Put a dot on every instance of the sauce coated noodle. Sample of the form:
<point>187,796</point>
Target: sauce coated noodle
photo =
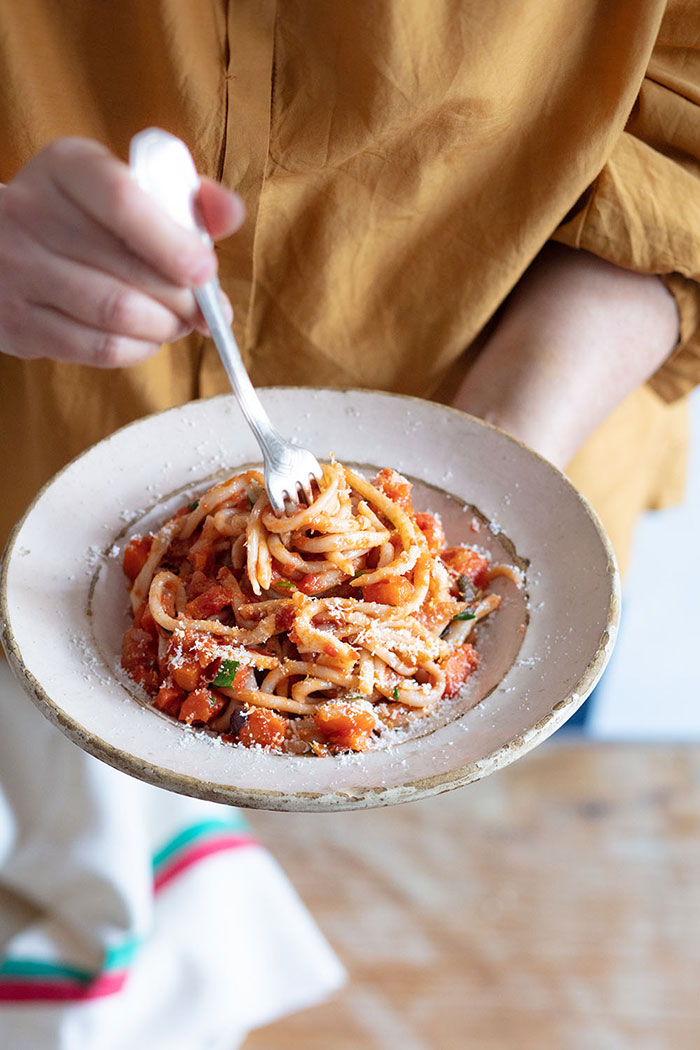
<point>309,634</point>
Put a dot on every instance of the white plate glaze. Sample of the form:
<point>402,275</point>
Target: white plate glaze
<point>63,597</point>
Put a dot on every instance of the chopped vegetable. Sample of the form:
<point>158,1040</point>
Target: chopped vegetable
<point>169,699</point>
<point>186,673</point>
<point>265,728</point>
<point>313,583</point>
<point>396,487</point>
<point>458,667</point>
<point>140,658</point>
<point>226,673</point>
<point>200,705</point>
<point>432,529</point>
<point>208,603</point>
<point>394,590</point>
<point>463,561</point>
<point>467,590</point>
<point>135,555</point>
<point>345,726</point>
<point>237,719</point>
<point>203,559</point>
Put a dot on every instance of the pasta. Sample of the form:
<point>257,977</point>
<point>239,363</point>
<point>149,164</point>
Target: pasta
<point>309,634</point>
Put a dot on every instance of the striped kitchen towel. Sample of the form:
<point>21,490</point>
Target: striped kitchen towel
<point>133,917</point>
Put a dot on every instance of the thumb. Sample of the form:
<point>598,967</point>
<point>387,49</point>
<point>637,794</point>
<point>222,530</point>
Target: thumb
<point>222,210</point>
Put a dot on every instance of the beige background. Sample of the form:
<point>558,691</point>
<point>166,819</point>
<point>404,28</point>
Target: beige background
<point>552,906</point>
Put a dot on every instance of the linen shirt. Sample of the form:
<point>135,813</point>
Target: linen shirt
<point>402,163</point>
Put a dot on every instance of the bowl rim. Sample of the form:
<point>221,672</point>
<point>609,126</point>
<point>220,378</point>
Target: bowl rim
<point>266,798</point>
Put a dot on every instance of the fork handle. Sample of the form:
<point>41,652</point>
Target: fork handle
<point>163,167</point>
<point>209,298</point>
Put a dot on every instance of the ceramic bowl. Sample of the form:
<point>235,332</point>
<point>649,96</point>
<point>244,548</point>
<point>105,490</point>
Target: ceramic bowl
<point>64,601</point>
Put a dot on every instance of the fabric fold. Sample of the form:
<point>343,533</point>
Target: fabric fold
<point>130,916</point>
<point>643,211</point>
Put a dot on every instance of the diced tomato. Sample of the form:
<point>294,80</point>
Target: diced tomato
<point>178,551</point>
<point>312,583</point>
<point>200,705</point>
<point>458,667</point>
<point>227,580</point>
<point>240,680</point>
<point>432,529</point>
<point>265,728</point>
<point>140,658</point>
<point>394,590</point>
<point>396,487</point>
<point>144,620</point>
<point>204,650</point>
<point>285,618</point>
<point>211,670</point>
<point>208,603</point>
<point>345,726</point>
<point>197,584</point>
<point>135,555</point>
<point>186,674</point>
<point>220,702</point>
<point>169,698</point>
<point>465,562</point>
<point>202,559</point>
<point>186,660</point>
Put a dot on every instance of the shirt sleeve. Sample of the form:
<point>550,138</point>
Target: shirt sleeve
<point>643,211</point>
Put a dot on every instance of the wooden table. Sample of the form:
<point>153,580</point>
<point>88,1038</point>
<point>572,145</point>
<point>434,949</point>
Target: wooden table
<point>553,906</point>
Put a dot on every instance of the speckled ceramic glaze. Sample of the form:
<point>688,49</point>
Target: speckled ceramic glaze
<point>64,601</point>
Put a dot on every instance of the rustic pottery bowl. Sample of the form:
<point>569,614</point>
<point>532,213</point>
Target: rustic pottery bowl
<point>64,603</point>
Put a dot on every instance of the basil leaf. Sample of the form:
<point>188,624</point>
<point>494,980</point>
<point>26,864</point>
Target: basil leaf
<point>193,506</point>
<point>465,616</point>
<point>284,583</point>
<point>226,673</point>
<point>395,693</point>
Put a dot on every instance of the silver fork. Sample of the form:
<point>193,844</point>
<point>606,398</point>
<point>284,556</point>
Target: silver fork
<point>163,167</point>
<point>287,467</point>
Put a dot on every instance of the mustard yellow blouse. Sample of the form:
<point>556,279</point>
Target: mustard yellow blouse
<point>402,163</point>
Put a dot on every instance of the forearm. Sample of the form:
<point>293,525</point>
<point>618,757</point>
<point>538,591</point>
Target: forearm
<point>576,337</point>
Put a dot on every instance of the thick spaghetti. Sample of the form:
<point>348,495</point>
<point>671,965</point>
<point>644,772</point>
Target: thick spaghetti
<point>313,633</point>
